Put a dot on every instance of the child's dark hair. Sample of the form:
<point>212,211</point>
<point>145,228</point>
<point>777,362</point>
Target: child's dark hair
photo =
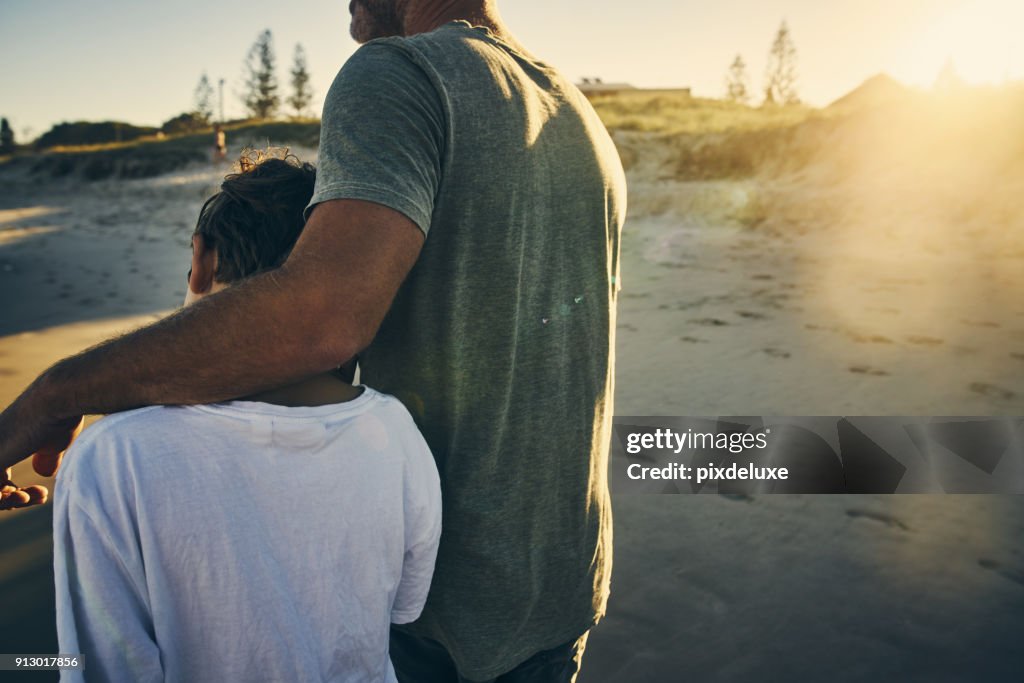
<point>255,219</point>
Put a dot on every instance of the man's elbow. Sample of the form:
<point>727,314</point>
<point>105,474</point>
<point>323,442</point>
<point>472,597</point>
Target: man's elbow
<point>336,332</point>
<point>335,340</point>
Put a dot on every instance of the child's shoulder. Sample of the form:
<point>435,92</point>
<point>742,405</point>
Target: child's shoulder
<point>115,436</point>
<point>133,424</point>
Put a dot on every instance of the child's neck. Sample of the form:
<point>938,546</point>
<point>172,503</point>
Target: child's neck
<point>319,390</point>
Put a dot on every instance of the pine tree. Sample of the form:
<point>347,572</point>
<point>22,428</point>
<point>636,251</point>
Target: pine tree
<point>302,92</point>
<point>736,81</point>
<point>6,136</point>
<point>204,99</point>
<point>780,74</point>
<point>260,97</point>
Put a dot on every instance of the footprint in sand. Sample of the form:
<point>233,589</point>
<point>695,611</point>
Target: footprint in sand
<point>693,340</point>
<point>752,315</point>
<point>1018,356</point>
<point>868,370</point>
<point>737,497</point>
<point>991,390</point>
<point>1014,575</point>
<point>921,340</point>
<point>777,353</point>
<point>626,326</point>
<point>869,338</point>
<point>761,276</point>
<point>6,372</point>
<point>880,517</point>
<point>708,322</point>
<point>980,323</point>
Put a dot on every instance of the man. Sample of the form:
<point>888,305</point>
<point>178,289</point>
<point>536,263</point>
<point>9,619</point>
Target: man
<point>466,222</point>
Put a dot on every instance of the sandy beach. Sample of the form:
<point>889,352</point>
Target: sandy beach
<point>716,318</point>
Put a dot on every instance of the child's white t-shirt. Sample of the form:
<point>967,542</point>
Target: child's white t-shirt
<point>244,541</point>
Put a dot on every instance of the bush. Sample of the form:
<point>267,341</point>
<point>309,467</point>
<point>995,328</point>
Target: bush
<point>149,158</point>
<point>189,122</point>
<point>89,133</point>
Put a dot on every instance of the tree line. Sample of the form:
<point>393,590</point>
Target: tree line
<point>260,95</point>
<point>261,92</point>
<point>780,73</point>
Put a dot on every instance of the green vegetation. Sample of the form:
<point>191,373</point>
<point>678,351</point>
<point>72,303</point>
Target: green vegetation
<point>261,98</point>
<point>715,139</point>
<point>91,133</point>
<point>189,122</point>
<point>6,137</point>
<point>302,91</point>
<point>154,155</point>
<point>880,125</point>
<point>674,113</point>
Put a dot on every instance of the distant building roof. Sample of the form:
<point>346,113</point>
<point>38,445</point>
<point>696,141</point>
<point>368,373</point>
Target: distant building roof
<point>597,85</point>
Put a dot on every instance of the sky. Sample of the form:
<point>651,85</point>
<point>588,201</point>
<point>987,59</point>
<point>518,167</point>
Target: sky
<point>135,61</point>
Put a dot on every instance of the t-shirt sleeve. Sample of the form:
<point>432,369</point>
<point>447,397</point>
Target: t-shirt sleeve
<point>382,134</point>
<point>102,610</point>
<point>422,530</point>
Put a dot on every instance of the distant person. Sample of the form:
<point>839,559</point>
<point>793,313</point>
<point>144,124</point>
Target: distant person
<point>463,239</point>
<point>273,538</point>
<point>220,145</point>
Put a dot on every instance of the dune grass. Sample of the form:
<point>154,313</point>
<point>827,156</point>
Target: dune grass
<point>154,155</point>
<point>678,113</point>
<point>705,139</point>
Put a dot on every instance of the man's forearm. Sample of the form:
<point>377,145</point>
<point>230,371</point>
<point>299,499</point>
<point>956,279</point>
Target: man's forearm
<point>247,338</point>
<point>315,312</point>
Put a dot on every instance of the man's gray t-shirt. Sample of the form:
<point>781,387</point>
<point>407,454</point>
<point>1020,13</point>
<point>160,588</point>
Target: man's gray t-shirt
<point>500,342</point>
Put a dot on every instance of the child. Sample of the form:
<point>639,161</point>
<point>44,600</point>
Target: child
<point>273,538</point>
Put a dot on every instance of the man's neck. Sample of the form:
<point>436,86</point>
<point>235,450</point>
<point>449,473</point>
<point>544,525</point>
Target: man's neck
<point>319,390</point>
<point>426,16</point>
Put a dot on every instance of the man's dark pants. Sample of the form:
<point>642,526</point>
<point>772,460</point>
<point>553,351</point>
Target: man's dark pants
<point>422,660</point>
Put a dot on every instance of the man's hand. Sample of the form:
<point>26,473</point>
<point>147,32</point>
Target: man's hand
<point>12,496</point>
<point>26,432</point>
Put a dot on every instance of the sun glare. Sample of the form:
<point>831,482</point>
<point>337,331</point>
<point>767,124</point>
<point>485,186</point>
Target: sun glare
<point>978,37</point>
